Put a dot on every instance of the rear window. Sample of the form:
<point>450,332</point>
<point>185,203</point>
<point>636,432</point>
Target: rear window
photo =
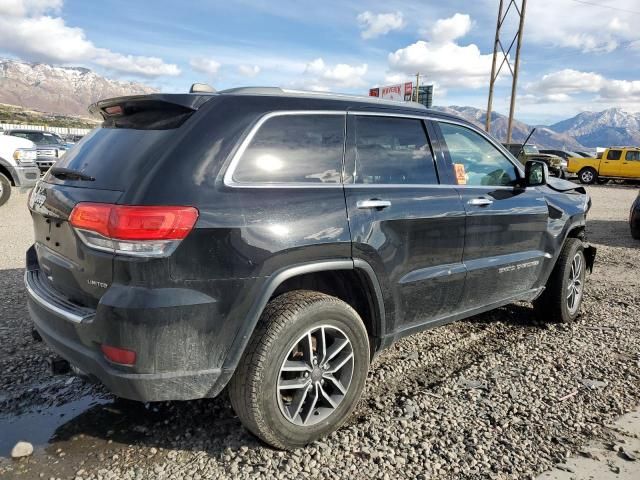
<point>115,156</point>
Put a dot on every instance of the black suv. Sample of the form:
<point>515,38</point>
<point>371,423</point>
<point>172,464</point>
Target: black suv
<point>275,241</point>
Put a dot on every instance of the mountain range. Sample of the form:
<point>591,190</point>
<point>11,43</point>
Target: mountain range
<point>69,90</point>
<point>61,90</point>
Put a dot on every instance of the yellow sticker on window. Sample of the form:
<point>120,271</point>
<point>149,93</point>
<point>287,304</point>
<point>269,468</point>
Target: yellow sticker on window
<point>461,176</point>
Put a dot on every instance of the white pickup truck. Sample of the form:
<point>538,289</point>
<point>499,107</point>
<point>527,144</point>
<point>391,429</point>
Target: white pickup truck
<point>17,165</point>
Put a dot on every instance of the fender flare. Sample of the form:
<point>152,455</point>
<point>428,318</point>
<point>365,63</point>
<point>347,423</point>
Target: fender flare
<point>243,336</point>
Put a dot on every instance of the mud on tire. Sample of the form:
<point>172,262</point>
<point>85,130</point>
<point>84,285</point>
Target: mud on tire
<point>311,341</point>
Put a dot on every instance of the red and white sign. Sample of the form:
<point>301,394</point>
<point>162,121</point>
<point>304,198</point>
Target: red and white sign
<point>399,92</point>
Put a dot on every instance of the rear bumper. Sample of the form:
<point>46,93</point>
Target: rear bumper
<point>76,335</point>
<point>144,387</point>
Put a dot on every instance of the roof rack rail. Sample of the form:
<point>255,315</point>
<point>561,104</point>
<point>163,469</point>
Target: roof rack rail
<point>328,95</point>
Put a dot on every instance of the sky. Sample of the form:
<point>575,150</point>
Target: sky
<point>577,55</point>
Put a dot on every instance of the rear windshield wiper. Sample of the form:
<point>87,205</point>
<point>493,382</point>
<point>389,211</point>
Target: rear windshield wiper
<point>62,173</point>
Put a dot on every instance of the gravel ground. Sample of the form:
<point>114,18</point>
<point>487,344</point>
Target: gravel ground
<point>497,396</point>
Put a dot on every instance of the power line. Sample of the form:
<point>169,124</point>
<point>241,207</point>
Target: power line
<point>610,7</point>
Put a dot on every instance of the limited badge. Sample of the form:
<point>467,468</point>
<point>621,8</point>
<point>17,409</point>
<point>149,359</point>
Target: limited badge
<point>461,176</point>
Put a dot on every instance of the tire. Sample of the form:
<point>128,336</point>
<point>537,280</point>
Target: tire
<point>555,303</point>
<point>282,334</point>
<point>5,189</point>
<point>588,175</point>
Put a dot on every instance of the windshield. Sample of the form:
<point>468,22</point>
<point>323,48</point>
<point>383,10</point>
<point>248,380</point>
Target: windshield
<point>40,138</point>
<point>530,149</point>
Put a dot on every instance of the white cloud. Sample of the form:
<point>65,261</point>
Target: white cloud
<point>448,63</point>
<point>441,59</point>
<point>374,25</point>
<point>395,78</point>
<point>248,70</point>
<point>588,28</point>
<point>22,8</point>
<point>449,29</point>
<point>205,65</point>
<point>28,30</point>
<point>565,83</point>
<point>342,75</point>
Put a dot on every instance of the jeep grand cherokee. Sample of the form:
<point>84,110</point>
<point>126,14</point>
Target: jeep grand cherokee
<point>275,241</point>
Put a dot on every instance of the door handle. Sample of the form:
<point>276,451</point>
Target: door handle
<point>373,203</point>
<point>480,202</point>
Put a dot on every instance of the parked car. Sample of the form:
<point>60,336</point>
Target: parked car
<point>527,152</point>
<point>275,241</point>
<point>634,218</point>
<point>50,146</point>
<point>615,163</point>
<point>17,165</point>
<point>584,154</point>
<point>564,155</point>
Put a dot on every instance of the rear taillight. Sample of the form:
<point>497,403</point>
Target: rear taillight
<point>118,355</point>
<point>146,231</point>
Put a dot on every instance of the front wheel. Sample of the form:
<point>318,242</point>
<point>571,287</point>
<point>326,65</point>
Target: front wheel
<point>5,189</point>
<point>562,297</point>
<point>303,370</point>
<point>588,175</point>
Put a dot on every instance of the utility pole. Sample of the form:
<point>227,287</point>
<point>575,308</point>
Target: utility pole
<point>418,87</point>
<point>519,8</point>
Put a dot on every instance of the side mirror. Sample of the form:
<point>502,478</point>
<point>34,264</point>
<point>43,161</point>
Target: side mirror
<point>535,173</point>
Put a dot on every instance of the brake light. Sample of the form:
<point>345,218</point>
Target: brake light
<point>132,229</point>
<point>118,355</point>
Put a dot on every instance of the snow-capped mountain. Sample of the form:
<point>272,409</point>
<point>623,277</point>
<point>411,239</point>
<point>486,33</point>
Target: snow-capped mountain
<point>64,90</point>
<point>543,136</point>
<point>596,129</point>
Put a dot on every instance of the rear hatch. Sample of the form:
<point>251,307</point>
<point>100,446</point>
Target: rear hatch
<point>106,163</point>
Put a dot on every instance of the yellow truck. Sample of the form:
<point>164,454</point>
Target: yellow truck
<point>615,163</point>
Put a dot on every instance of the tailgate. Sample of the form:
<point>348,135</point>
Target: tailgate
<point>77,272</point>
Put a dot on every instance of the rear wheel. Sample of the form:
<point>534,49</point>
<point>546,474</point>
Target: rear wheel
<point>562,297</point>
<point>303,370</point>
<point>5,189</point>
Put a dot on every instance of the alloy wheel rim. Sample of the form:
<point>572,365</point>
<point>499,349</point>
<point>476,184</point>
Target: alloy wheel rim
<point>587,176</point>
<point>576,281</point>
<point>315,375</point>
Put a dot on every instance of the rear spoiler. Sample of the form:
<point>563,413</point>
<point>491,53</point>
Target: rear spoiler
<point>158,111</point>
<point>187,101</point>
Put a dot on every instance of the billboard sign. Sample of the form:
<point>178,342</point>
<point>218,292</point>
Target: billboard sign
<point>399,92</point>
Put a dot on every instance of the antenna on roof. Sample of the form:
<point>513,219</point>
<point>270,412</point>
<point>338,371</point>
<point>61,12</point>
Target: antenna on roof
<point>201,88</point>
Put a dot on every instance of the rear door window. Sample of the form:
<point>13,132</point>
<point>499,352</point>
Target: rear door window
<point>393,150</point>
<point>633,155</point>
<point>296,148</point>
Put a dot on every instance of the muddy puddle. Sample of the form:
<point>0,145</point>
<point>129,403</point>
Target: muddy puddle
<point>41,427</point>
